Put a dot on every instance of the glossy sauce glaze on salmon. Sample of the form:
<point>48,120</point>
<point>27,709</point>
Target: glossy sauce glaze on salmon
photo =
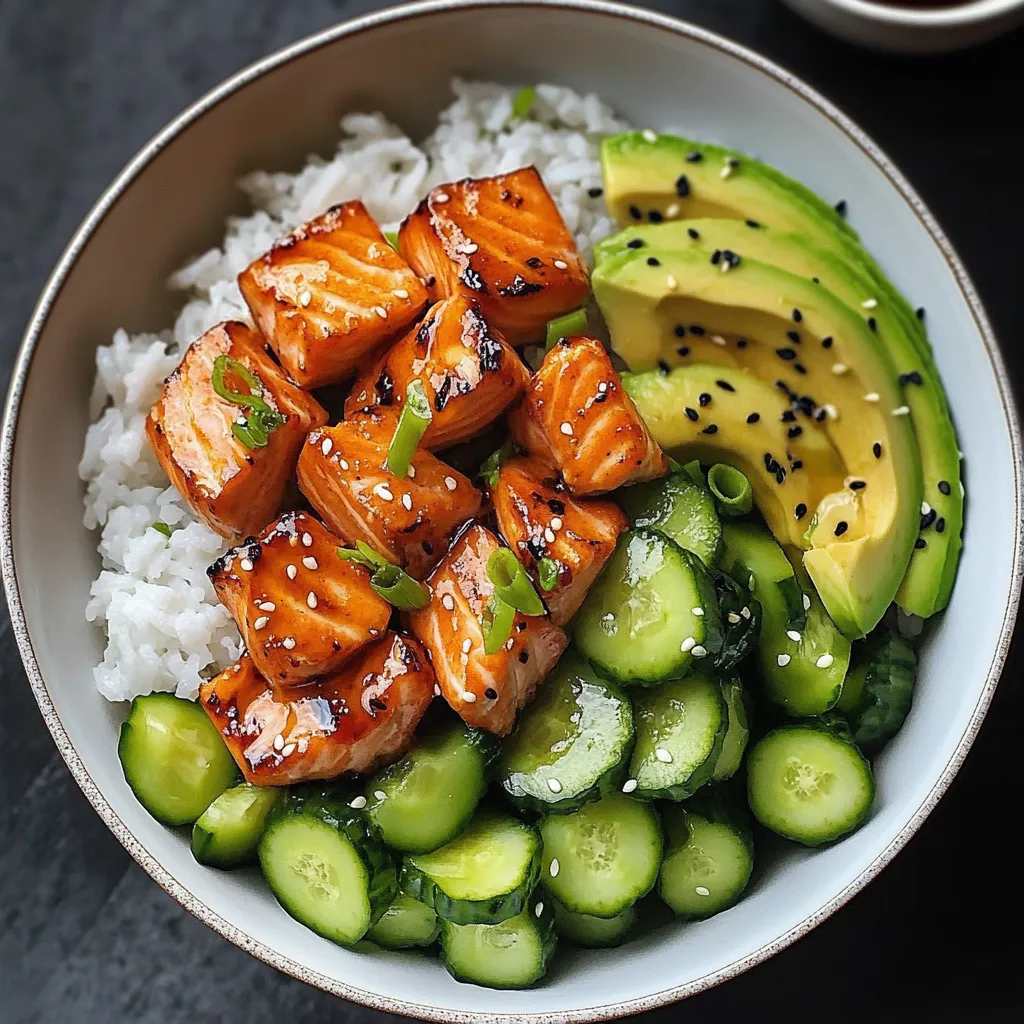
<point>539,519</point>
<point>469,373</point>
<point>301,610</point>
<point>501,242</point>
<point>330,293</point>
<point>234,486</point>
<point>409,520</point>
<point>352,720</point>
<point>487,690</point>
<point>577,416</point>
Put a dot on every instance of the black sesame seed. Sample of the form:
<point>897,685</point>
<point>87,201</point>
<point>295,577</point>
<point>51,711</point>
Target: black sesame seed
<point>841,527</point>
<point>733,162</point>
<point>683,350</point>
<point>742,343</point>
<point>800,511</point>
<point>490,693</point>
<point>704,398</point>
<point>819,415</point>
<point>872,323</point>
<point>716,257</point>
<point>769,462</point>
<point>725,385</point>
<point>913,377</point>
<point>692,414</point>
<point>858,485</point>
<point>595,193</point>
<point>788,416</point>
<point>795,465</point>
<point>682,186</point>
<point>634,212</point>
<point>731,258</point>
<point>753,417</point>
<point>785,353</point>
<point>794,336</point>
<point>826,342</point>
<point>428,548</point>
<point>799,367</point>
<point>653,261</point>
<point>535,262</point>
<point>920,312</point>
<point>698,330</point>
<point>521,627</point>
<point>780,475</point>
<point>693,233</point>
<point>663,367</point>
<point>711,428</point>
<point>944,487</point>
<point>694,157</point>
<point>841,207</point>
<point>940,525</point>
<point>753,224</point>
<point>794,431</point>
<point>797,316</point>
<point>524,657</point>
<point>377,704</point>
<point>655,217</point>
<point>816,280</point>
<point>679,330</point>
<point>876,450</point>
<point>920,543</point>
<point>635,243</point>
<point>928,518</point>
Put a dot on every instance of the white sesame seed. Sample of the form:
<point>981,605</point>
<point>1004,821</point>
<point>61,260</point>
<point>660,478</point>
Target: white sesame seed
<point>603,386</point>
<point>407,501</point>
<point>292,572</point>
<point>688,644</point>
<point>310,562</point>
<point>671,283</point>
<point>261,622</point>
<point>745,612</point>
<point>806,603</point>
<point>311,599</point>
<point>783,660</point>
<point>825,661</point>
<point>869,303</point>
<point>246,564</point>
<point>793,635</point>
<point>549,535</point>
<point>662,755</point>
<point>566,428</point>
<point>702,890</point>
<point>717,339</point>
<point>344,463</point>
<point>382,491</point>
<point>381,312</point>
<point>649,136</point>
<point>553,867</point>
<point>560,264</point>
<point>380,794</point>
<point>871,396</point>
<point>469,696</point>
<point>451,483</point>
<point>903,410</point>
<point>699,651</point>
<point>726,171</point>
<point>327,446</point>
<point>831,411</point>
<point>307,540</point>
<point>538,910</point>
<point>608,617</point>
<point>441,197</point>
<point>437,690</point>
<point>698,611</point>
<point>629,786</point>
<point>469,248</point>
<point>839,369</point>
<point>449,602</point>
<point>554,785</point>
<point>305,298</point>
<point>288,643</point>
<point>400,293</point>
<point>925,508</point>
<point>556,523</point>
<point>733,618</point>
<point>357,803</point>
<point>467,645</point>
<point>287,750</point>
<point>269,606</point>
<point>278,741</point>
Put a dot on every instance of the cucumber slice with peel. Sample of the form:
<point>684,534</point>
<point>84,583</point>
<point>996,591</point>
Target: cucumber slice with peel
<point>405,924</point>
<point>228,831</point>
<point>593,932</point>
<point>737,732</point>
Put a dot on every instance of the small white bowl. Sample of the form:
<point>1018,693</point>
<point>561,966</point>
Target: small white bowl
<point>170,202</point>
<point>912,29</point>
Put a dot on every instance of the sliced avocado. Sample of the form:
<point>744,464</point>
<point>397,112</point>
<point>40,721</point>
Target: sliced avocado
<point>788,331</point>
<point>929,579</point>
<point>803,662</point>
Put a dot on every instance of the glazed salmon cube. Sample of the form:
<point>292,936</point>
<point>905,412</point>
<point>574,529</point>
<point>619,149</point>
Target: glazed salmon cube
<point>469,373</point>
<point>502,242</point>
<point>231,482</point>
<point>576,415</point>
<point>487,690</point>
<point>408,520</point>
<point>348,722</point>
<point>302,611</point>
<point>330,293</point>
<point>539,519</point>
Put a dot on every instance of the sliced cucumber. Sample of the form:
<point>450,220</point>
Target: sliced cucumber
<point>513,954</point>
<point>652,614</point>
<point>406,923</point>
<point>737,732</point>
<point>428,797</point>
<point>485,876</point>
<point>173,758</point>
<point>327,868</point>
<point>741,621</point>
<point>808,782</point>
<point>601,859</point>
<point>228,831</point>
<point>679,507</point>
<point>680,732</point>
<point>709,856</point>
<point>572,743</point>
<point>593,932</point>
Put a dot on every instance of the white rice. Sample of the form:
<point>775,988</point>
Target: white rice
<point>165,629</point>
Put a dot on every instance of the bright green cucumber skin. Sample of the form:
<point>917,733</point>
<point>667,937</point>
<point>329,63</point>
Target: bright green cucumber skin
<point>406,924</point>
<point>228,832</point>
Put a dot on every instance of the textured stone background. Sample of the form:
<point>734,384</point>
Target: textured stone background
<point>85,936</point>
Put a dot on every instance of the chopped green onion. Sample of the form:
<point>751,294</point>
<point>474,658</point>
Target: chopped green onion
<point>522,102</point>
<point>162,528</point>
<point>496,623</point>
<point>254,400</point>
<point>392,583</point>
<point>392,237</point>
<point>695,473</point>
<point>673,466</point>
<point>731,489</point>
<point>511,584</point>
<point>491,466</point>
<point>547,572</point>
<point>566,327</point>
<point>412,425</point>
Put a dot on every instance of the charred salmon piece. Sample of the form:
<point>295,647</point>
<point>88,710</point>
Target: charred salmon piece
<point>576,414</point>
<point>302,611</point>
<point>502,242</point>
<point>350,721</point>
<point>408,520</point>
<point>539,519</point>
<point>209,445</point>
<point>330,293</point>
<point>487,690</point>
<point>469,373</point>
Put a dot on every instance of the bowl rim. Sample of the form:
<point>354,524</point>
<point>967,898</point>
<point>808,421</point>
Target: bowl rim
<point>22,367</point>
<point>956,15</point>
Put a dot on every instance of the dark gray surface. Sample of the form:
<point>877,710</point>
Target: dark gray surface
<point>84,935</point>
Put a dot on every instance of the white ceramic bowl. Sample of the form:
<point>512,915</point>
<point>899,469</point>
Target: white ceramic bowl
<point>910,29</point>
<point>170,202</point>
